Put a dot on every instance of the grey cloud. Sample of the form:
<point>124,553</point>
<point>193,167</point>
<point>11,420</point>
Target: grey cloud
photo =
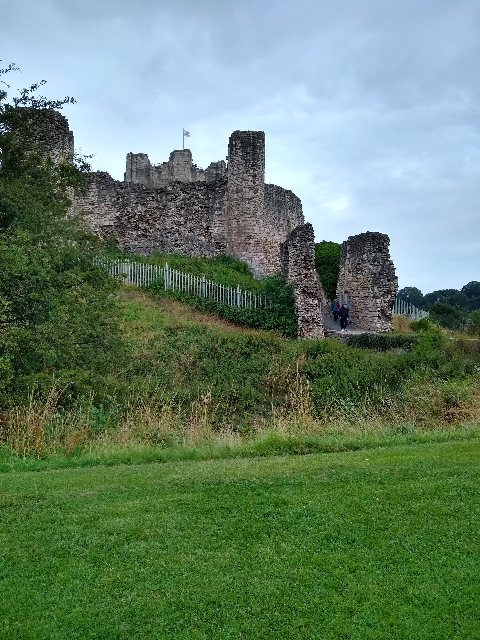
<point>370,109</point>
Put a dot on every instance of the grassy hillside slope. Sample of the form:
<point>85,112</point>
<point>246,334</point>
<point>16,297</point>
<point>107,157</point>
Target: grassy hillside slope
<point>188,379</point>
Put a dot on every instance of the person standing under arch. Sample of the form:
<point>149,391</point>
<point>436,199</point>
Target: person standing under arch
<point>343,313</point>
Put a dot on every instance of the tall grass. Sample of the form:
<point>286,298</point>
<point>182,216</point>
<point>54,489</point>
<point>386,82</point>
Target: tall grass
<point>186,383</point>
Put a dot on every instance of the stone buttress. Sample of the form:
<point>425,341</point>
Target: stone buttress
<point>298,264</point>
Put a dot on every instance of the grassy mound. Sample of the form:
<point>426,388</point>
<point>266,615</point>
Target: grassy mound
<point>188,378</point>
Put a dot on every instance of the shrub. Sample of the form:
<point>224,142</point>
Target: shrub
<point>382,341</point>
<point>58,322</point>
<point>422,324</point>
<point>327,264</point>
<point>279,315</point>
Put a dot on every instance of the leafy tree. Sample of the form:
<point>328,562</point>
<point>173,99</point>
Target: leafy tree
<point>472,289</point>
<point>327,264</point>
<point>58,323</point>
<point>473,303</point>
<point>447,315</point>
<point>474,321</point>
<point>452,297</point>
<point>412,295</point>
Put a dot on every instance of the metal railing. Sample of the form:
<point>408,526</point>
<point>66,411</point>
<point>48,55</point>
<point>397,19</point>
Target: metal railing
<point>403,308</point>
<point>142,274</point>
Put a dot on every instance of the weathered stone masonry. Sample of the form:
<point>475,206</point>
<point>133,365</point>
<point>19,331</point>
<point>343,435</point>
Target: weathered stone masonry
<point>179,167</point>
<point>47,132</point>
<point>182,218</point>
<point>367,279</point>
<point>217,211</point>
<point>298,261</point>
<point>179,207</point>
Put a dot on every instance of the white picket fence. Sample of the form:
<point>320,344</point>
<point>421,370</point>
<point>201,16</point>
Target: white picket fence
<point>407,309</point>
<point>142,274</point>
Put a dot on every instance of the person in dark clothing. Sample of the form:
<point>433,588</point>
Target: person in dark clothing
<point>335,308</point>
<point>343,313</point>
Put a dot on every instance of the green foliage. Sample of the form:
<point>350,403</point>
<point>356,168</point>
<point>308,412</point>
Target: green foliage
<point>327,264</point>
<point>422,324</point>
<point>432,340</point>
<point>474,321</point>
<point>381,341</point>
<point>467,299</point>
<point>224,269</point>
<point>412,295</point>
<point>58,324</point>
<point>451,297</point>
<point>472,289</point>
<point>447,315</point>
<point>278,315</point>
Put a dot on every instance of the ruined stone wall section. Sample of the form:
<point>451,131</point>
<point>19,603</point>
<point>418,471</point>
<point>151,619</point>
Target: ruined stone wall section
<point>298,263</point>
<point>282,214</point>
<point>48,132</point>
<point>247,233</point>
<point>258,217</point>
<point>179,168</point>
<point>368,280</point>
<point>181,218</point>
<point>138,169</point>
<point>216,171</point>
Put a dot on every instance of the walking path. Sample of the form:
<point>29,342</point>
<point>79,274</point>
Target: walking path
<point>330,326</point>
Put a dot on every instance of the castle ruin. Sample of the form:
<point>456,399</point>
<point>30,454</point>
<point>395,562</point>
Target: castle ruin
<point>367,278</point>
<point>227,208</point>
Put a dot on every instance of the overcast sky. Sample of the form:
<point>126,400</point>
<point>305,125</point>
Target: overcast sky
<point>370,109</point>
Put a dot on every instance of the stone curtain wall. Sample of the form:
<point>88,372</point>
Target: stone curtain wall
<point>298,263</point>
<point>185,218</point>
<point>178,207</point>
<point>367,279</point>
<point>282,214</point>
<point>257,217</point>
<point>180,167</point>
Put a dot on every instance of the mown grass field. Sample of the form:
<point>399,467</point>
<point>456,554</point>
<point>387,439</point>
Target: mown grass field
<point>381,543</point>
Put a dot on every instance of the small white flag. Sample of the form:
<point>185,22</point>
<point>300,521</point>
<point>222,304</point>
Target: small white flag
<point>186,133</point>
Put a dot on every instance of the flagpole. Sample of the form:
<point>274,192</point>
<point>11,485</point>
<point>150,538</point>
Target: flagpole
<point>183,138</point>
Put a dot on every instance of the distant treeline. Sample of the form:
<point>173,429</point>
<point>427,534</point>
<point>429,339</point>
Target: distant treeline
<point>452,308</point>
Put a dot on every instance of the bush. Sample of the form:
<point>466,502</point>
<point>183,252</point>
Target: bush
<point>327,264</point>
<point>474,322</point>
<point>382,341</point>
<point>58,322</point>
<point>348,380</point>
<point>422,324</point>
<point>279,315</point>
<point>447,315</point>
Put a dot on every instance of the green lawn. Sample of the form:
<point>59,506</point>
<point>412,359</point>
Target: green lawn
<point>380,544</point>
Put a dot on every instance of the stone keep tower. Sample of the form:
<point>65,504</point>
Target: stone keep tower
<point>367,279</point>
<point>246,198</point>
